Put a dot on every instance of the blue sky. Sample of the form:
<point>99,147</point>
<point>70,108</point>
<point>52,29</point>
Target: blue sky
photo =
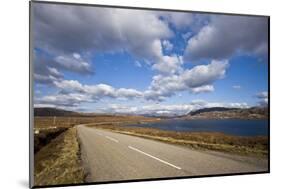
<point>147,62</point>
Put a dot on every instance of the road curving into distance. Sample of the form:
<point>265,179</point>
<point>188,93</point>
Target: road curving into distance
<point>110,156</point>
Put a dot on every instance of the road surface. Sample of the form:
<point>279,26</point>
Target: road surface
<point>110,156</point>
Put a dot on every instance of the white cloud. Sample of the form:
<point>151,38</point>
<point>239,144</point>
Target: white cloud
<point>76,55</point>
<point>69,85</point>
<point>73,63</point>
<point>96,91</point>
<point>65,100</point>
<point>205,74</point>
<point>171,109</point>
<point>44,105</point>
<point>225,36</point>
<point>115,30</point>
<point>54,72</point>
<point>118,108</point>
<point>238,105</point>
<point>169,64</point>
<point>128,93</point>
<point>198,79</point>
<point>44,79</point>
<point>204,88</point>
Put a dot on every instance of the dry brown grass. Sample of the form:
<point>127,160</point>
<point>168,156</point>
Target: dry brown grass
<point>59,161</point>
<point>255,146</point>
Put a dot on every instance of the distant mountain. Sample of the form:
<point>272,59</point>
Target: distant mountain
<point>217,109</point>
<point>61,113</point>
<point>54,112</point>
<point>228,113</point>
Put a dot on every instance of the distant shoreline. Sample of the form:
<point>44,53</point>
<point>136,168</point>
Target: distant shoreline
<point>183,125</point>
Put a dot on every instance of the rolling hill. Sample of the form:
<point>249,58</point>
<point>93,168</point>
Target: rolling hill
<point>228,113</point>
<point>54,112</point>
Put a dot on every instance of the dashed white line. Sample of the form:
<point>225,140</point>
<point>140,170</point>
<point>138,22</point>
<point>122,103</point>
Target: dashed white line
<point>165,162</point>
<point>113,139</point>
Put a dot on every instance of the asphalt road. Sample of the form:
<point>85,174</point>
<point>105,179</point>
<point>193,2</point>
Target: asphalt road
<point>110,156</point>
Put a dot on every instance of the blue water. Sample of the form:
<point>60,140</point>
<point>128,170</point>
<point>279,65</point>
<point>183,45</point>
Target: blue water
<point>227,126</point>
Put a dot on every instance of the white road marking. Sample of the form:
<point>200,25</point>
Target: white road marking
<point>99,134</point>
<point>113,139</point>
<point>167,163</point>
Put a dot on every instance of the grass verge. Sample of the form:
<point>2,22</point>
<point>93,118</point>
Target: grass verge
<point>59,161</point>
<point>253,146</point>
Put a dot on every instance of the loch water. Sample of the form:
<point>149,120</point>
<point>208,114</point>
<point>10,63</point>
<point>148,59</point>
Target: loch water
<point>237,127</point>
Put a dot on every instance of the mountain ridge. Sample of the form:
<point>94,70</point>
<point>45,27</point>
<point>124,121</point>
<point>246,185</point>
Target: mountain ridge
<point>228,113</point>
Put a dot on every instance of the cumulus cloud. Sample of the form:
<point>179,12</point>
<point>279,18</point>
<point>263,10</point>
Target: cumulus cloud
<point>155,109</point>
<point>202,89</point>
<point>128,93</point>
<point>225,36</point>
<point>44,79</point>
<point>63,100</point>
<point>118,108</point>
<point>72,93</point>
<point>169,64</point>
<point>96,91</point>
<point>94,29</point>
<point>205,74</point>
<point>74,63</point>
<point>71,85</point>
<point>54,72</point>
<point>164,109</point>
<point>198,79</point>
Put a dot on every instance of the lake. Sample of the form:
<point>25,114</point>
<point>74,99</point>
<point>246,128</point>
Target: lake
<point>236,127</point>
